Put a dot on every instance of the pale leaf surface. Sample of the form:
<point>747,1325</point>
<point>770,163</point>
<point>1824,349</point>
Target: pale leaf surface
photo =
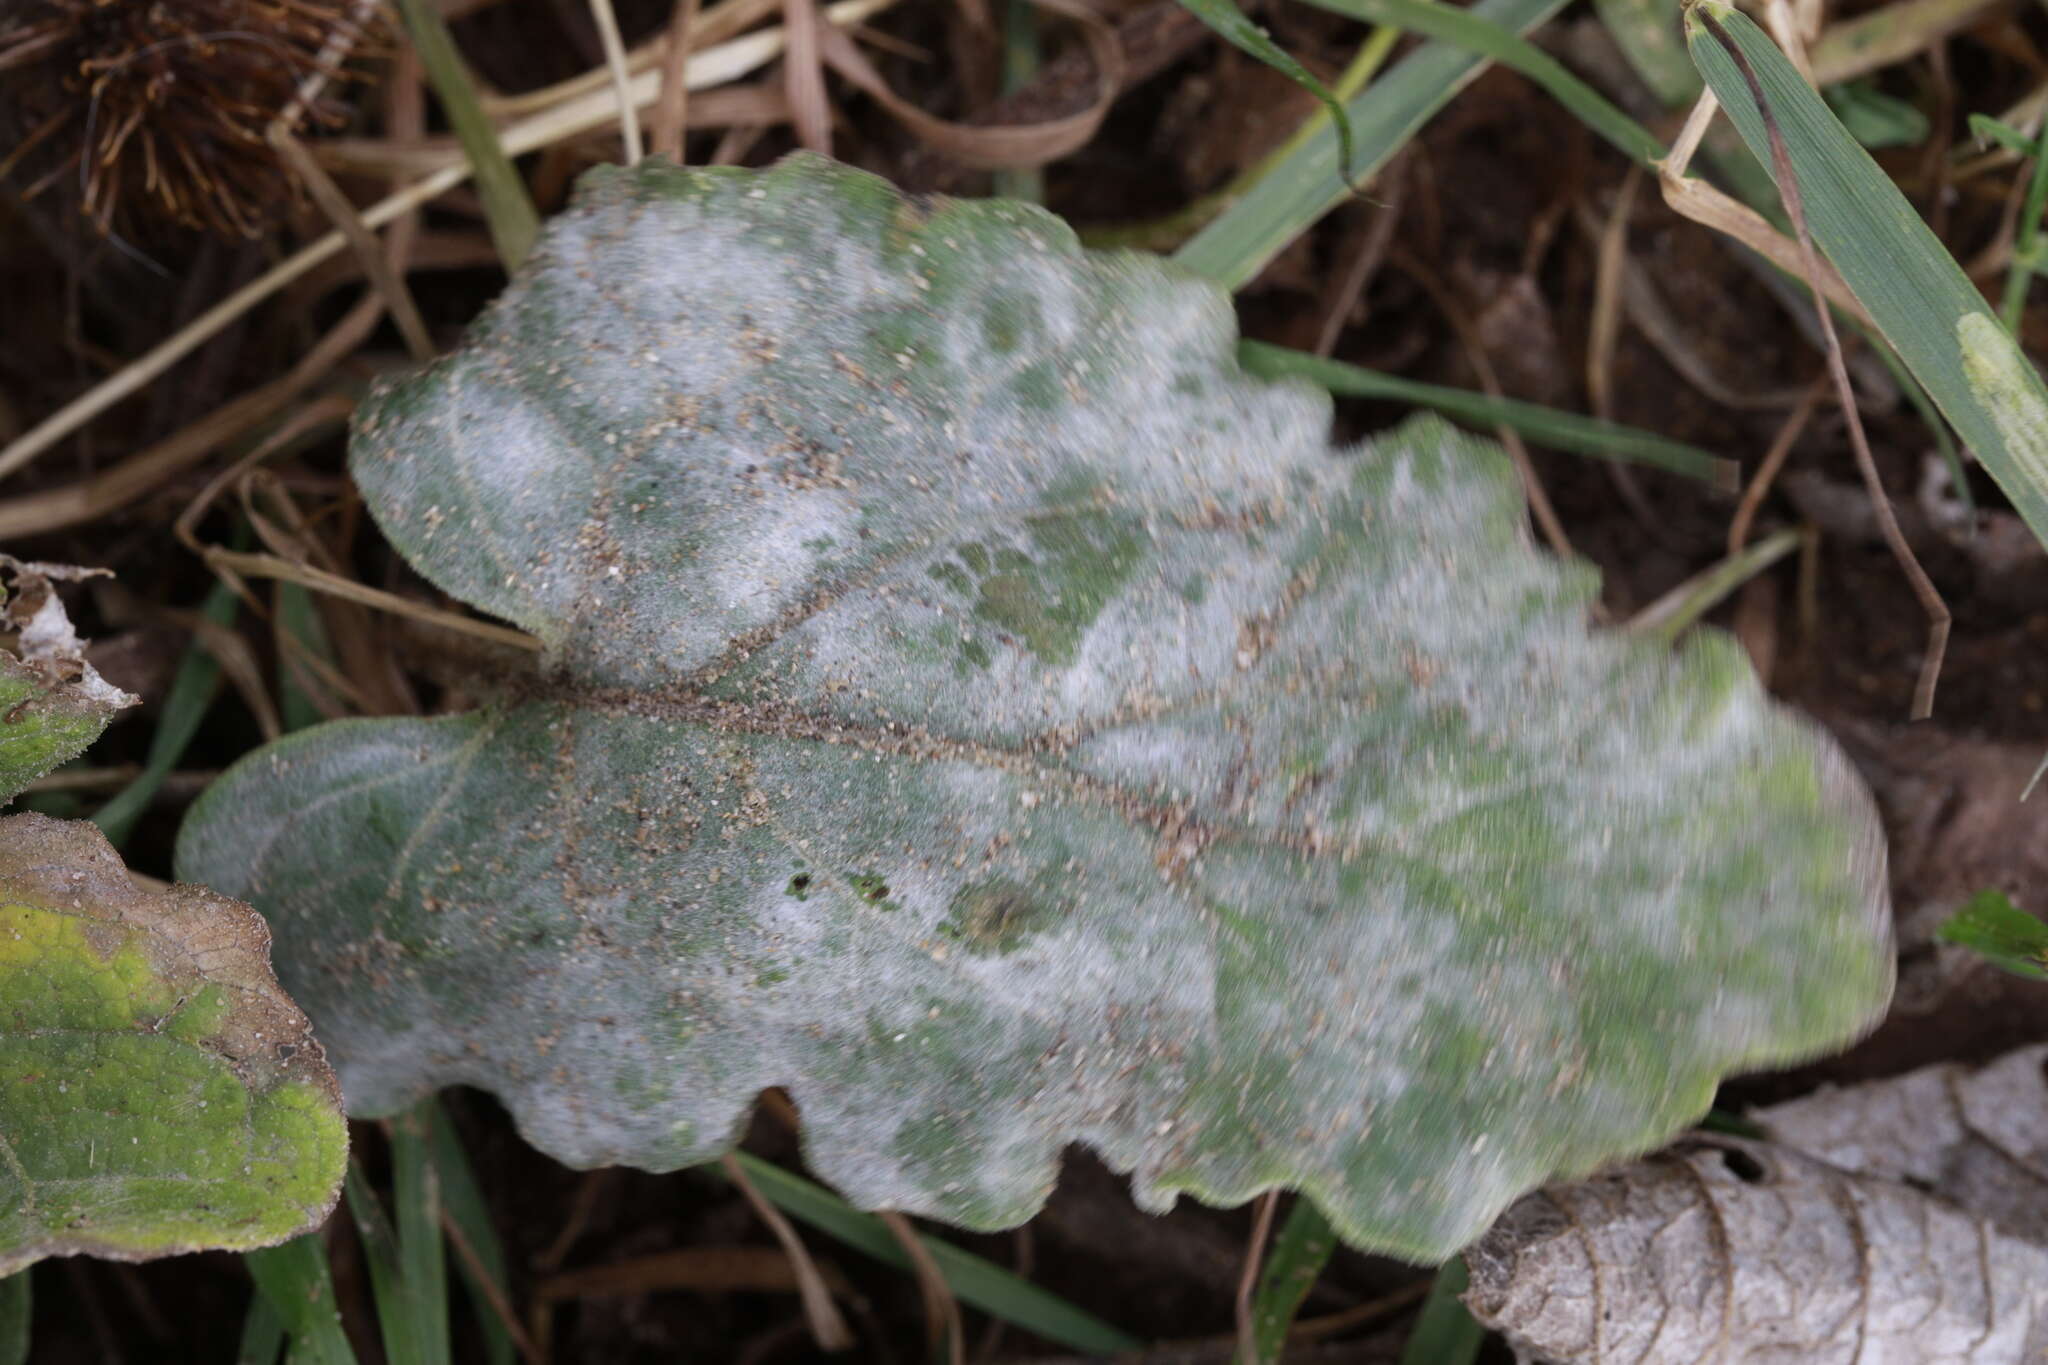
<point>973,704</point>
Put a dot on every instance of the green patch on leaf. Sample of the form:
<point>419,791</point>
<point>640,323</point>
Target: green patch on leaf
<point>1288,827</point>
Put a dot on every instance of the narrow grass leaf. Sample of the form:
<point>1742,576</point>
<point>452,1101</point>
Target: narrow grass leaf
<point>262,1333</point>
<point>1476,34</point>
<point>388,1289</point>
<point>294,1278</point>
<point>462,1202</point>
<point>1444,1333</point>
<point>17,1306</point>
<point>1021,59</point>
<point>1875,119</point>
<point>1312,179</point>
<point>973,1280</point>
<point>1547,426</point>
<point>508,209</point>
<point>1298,1256</point>
<point>1988,130</point>
<point>1908,283</point>
<point>1171,231</point>
<point>2001,933</point>
<point>299,618</point>
<point>1647,32</point>
<point>422,1256</point>
<point>2026,250</point>
<point>1668,617</point>
<point>185,706</point>
<point>1247,37</point>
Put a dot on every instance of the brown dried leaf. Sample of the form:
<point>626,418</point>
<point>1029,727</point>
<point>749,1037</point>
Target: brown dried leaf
<point>1720,1249</point>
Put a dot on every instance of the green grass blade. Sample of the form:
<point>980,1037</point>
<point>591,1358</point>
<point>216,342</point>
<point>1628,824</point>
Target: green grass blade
<point>1299,1254</point>
<point>1548,426</point>
<point>973,1280</point>
<point>1444,1332</point>
<point>463,1202</point>
<point>1875,119</point>
<point>1309,181</point>
<point>2001,933</point>
<point>508,209</point>
<point>298,617</point>
<point>2026,251</point>
<point>294,1278</point>
<point>1476,34</point>
<point>262,1333</point>
<point>387,1280</point>
<point>185,705</point>
<point>1987,129</point>
<point>1170,232</point>
<point>1020,64</point>
<point>1670,615</point>
<point>1230,23</point>
<point>1897,268</point>
<point>1647,32</point>
<point>422,1256</point>
<point>17,1306</point>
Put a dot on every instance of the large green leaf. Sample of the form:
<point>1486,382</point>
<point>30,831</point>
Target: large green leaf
<point>158,1092</point>
<point>972,703</point>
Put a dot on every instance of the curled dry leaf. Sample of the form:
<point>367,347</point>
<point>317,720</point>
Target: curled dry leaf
<point>1722,1249</point>
<point>52,703</point>
<point>158,1091</point>
<point>1977,1136</point>
<point>971,702</point>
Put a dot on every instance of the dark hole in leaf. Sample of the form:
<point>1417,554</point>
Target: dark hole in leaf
<point>799,886</point>
<point>1744,1167</point>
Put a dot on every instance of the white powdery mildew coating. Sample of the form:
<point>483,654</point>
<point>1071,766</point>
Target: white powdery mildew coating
<point>977,707</point>
<point>508,481</point>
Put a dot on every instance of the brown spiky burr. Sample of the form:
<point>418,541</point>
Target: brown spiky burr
<point>156,111</point>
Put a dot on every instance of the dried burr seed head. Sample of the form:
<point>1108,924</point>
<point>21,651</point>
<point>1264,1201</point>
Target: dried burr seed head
<point>153,112</point>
